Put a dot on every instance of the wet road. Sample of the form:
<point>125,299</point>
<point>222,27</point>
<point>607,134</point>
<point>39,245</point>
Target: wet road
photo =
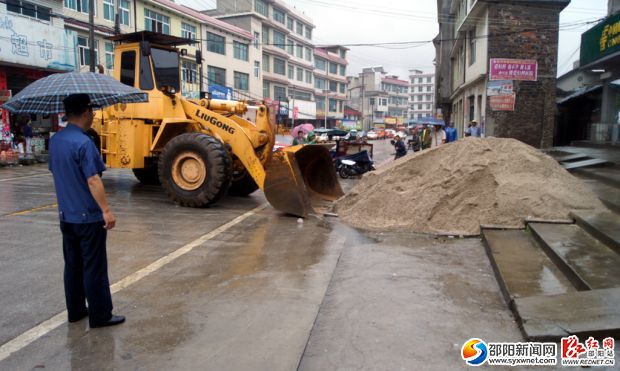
<point>239,287</point>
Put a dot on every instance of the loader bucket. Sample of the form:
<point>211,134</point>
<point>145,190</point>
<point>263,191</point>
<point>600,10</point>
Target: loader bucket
<point>299,176</point>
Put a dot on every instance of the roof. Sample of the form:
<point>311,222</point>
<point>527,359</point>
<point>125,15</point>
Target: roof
<point>324,54</point>
<point>203,18</point>
<point>390,80</point>
<point>154,37</point>
<point>578,93</point>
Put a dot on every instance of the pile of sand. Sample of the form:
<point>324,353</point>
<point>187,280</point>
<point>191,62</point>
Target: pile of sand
<point>456,188</point>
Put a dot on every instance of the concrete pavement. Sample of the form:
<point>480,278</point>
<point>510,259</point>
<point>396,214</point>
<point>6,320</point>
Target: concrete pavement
<point>241,287</point>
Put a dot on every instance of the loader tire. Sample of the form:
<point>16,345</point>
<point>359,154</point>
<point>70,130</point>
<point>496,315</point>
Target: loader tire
<point>242,185</point>
<point>195,169</point>
<point>147,176</point>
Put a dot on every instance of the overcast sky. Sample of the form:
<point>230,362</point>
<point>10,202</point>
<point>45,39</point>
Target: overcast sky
<point>369,21</point>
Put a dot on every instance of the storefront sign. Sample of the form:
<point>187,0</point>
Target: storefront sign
<point>514,69</point>
<point>35,43</point>
<point>601,40</point>
<point>503,102</point>
<point>220,92</point>
<point>500,87</point>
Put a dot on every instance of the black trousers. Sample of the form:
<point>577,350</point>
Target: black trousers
<point>86,271</point>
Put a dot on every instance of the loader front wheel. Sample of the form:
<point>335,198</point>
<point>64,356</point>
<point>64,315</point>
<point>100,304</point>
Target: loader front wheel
<point>195,169</point>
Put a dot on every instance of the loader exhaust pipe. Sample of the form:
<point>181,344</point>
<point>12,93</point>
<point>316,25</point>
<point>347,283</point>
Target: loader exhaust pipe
<point>300,176</point>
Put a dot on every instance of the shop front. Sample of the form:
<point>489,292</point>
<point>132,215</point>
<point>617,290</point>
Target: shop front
<point>600,52</point>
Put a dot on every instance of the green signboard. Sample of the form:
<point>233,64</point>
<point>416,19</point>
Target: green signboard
<point>601,40</point>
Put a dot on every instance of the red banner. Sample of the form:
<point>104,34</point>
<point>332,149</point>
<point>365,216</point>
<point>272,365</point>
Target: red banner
<point>503,102</point>
<point>514,69</point>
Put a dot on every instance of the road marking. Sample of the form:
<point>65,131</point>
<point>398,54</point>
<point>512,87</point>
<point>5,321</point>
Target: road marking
<point>24,177</point>
<point>24,212</point>
<point>42,329</point>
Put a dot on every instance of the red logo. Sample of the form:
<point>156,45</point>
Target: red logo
<point>572,348</point>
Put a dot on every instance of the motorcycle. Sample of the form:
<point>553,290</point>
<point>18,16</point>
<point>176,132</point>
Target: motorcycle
<point>352,165</point>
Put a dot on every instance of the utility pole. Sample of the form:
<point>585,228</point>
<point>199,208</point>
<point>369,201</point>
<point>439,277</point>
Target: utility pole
<point>91,34</point>
<point>363,112</point>
<point>293,114</point>
<point>117,17</point>
<point>326,91</point>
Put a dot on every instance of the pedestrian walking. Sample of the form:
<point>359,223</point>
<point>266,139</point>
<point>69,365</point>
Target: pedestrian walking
<point>27,132</point>
<point>399,145</point>
<point>451,133</point>
<point>425,137</point>
<point>438,137</point>
<point>473,130</point>
<point>85,216</point>
<point>414,142</point>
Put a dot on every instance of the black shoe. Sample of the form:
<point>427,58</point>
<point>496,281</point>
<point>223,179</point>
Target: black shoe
<point>80,317</point>
<point>114,320</point>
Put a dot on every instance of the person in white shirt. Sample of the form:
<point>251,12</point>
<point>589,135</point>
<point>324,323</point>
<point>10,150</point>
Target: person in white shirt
<point>438,136</point>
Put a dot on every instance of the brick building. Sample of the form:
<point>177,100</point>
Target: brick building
<point>472,32</point>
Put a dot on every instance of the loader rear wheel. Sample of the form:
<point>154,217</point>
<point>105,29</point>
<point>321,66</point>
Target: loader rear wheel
<point>242,185</point>
<point>195,169</point>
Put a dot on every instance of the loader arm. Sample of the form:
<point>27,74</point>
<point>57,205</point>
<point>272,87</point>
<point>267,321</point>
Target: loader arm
<point>291,178</point>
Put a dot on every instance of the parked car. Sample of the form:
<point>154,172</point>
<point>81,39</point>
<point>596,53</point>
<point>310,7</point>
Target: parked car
<point>389,133</point>
<point>372,135</point>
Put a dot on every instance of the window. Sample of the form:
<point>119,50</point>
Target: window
<point>320,64</point>
<point>320,105</point>
<point>290,47</point>
<point>333,86</point>
<point>319,83</point>
<point>128,68</point>
<point>420,80</point>
<point>472,47</point>
<point>242,81</point>
<point>216,43</point>
<point>419,88</point>
<point>279,40</point>
<point>472,109</point>
<point>84,51</point>
<point>343,70</point>
<point>124,10</point>
<point>309,54</point>
<point>108,10</point>
<point>299,51</point>
<point>189,72</point>
<point>29,9</point>
<point>333,68</point>
<point>289,23</point>
<point>266,63</point>
<point>342,88</point>
<point>109,56</point>
<point>308,33</point>
<point>301,95</point>
<point>166,68</point>
<point>279,92</point>
<point>332,105</point>
<point>146,74</point>
<point>428,88</point>
<point>384,102</point>
<point>156,22</point>
<point>300,74</point>
<point>256,38</point>
<point>343,53</point>
<point>278,15</point>
<point>291,72</point>
<point>261,8</point>
<point>216,75</point>
<point>429,79</point>
<point>300,28</point>
<point>266,89</point>
<point>256,69</point>
<point>279,66</point>
<point>188,31</point>
<point>78,5</point>
<point>265,35</point>
<point>240,51</point>
<point>308,77</point>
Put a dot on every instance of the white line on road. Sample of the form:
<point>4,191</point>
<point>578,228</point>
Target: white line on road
<point>24,177</point>
<point>45,327</point>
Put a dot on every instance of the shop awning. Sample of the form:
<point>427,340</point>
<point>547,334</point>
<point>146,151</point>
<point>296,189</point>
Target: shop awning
<point>579,93</point>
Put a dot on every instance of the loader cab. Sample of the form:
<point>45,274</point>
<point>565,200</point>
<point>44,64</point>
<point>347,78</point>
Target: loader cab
<point>150,62</point>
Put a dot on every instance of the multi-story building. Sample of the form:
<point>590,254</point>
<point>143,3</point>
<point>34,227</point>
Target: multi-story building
<point>421,95</point>
<point>33,44</point>
<point>382,99</point>
<point>474,32</point>
<point>226,48</point>
<point>330,84</point>
<point>283,37</point>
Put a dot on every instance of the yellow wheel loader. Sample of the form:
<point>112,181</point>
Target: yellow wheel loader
<point>201,150</point>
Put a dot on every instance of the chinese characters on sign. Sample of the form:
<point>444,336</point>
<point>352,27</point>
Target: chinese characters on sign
<point>503,102</point>
<point>610,36</point>
<point>514,69</point>
<point>589,353</point>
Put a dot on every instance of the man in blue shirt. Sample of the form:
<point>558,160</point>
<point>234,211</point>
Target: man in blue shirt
<point>451,133</point>
<point>473,130</point>
<point>85,216</point>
